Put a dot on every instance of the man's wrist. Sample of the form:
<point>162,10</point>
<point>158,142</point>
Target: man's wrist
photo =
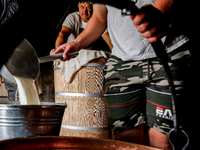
<point>78,44</point>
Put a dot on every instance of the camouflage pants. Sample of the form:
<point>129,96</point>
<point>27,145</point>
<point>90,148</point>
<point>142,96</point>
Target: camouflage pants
<point>137,92</point>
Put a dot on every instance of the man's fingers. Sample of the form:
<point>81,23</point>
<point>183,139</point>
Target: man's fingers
<point>143,27</point>
<point>152,35</point>
<point>52,51</point>
<point>149,33</point>
<point>154,38</point>
<point>59,50</point>
<point>65,54</point>
<point>132,17</point>
<point>66,48</point>
<point>139,19</point>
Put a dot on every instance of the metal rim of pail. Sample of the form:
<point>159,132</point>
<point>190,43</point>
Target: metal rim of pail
<point>42,105</point>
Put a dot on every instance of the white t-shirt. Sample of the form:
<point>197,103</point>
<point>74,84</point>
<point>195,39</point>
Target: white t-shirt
<point>128,44</point>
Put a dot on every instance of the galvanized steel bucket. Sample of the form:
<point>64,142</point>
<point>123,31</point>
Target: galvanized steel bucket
<point>30,120</point>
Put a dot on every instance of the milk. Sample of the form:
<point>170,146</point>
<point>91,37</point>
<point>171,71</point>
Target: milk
<point>27,91</point>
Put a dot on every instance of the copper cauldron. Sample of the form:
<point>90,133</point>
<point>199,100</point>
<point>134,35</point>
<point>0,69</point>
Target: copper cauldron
<point>66,143</point>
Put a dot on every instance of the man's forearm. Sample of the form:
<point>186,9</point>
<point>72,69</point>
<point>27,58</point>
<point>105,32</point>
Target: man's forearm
<point>96,26</point>
<point>60,40</point>
<point>165,6</point>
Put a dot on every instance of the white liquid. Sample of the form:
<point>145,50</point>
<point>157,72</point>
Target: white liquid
<point>27,91</point>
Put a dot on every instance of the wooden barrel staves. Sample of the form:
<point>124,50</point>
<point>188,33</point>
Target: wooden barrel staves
<point>3,92</point>
<point>86,112</point>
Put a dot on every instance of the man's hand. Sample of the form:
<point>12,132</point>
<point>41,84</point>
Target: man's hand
<point>52,51</point>
<point>151,23</point>
<point>66,48</point>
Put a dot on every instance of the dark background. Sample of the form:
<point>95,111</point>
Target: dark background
<point>39,21</point>
<point>45,26</point>
<point>46,22</point>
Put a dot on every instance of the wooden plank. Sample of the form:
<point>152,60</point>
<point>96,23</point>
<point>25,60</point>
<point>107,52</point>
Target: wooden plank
<point>3,93</point>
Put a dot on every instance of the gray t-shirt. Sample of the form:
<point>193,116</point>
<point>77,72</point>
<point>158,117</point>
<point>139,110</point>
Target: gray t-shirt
<point>74,22</point>
<point>128,44</point>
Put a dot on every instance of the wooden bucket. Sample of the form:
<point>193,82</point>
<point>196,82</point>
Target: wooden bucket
<point>86,112</point>
<point>3,92</point>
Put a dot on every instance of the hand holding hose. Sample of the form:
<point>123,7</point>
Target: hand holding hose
<point>151,23</point>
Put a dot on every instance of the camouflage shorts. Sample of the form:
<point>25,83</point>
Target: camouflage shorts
<point>137,92</point>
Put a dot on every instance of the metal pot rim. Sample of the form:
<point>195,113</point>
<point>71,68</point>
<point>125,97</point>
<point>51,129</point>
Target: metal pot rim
<point>60,142</point>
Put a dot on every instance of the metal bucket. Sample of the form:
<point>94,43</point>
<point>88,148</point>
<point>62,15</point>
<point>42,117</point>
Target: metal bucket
<point>30,120</point>
<point>69,143</point>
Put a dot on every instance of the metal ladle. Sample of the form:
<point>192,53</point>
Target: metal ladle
<point>25,63</point>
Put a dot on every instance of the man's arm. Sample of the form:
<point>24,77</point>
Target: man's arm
<point>165,6</point>
<point>62,37</point>
<point>94,29</point>
<point>96,26</point>
<point>107,39</point>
